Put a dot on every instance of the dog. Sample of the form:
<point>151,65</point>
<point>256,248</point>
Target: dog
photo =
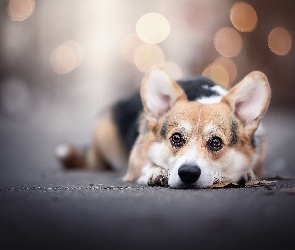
<point>184,134</point>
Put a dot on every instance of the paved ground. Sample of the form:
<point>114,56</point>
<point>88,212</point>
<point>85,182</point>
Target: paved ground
<point>42,206</point>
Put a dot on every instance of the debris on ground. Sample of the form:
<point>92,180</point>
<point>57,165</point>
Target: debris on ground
<point>254,183</point>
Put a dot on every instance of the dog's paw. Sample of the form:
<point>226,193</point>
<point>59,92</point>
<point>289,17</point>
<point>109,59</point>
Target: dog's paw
<point>158,177</point>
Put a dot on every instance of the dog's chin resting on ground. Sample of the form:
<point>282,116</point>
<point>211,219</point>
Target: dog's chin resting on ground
<point>184,134</point>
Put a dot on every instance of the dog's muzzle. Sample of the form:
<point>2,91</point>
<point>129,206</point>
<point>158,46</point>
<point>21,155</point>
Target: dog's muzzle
<point>189,174</point>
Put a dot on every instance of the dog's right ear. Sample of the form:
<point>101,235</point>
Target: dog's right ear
<point>159,93</point>
<point>249,100</point>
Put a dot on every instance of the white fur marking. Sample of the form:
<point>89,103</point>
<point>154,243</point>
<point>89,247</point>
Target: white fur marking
<point>158,154</point>
<point>150,172</point>
<point>220,90</point>
<point>210,129</point>
<point>213,99</point>
<point>191,157</point>
<point>144,176</point>
<point>186,126</point>
<point>230,168</point>
<point>210,100</point>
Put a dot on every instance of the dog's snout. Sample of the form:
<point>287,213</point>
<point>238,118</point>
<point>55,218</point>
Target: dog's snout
<point>189,173</point>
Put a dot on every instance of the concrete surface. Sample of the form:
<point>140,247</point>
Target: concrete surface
<point>45,207</point>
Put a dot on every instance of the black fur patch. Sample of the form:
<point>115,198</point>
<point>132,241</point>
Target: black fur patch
<point>163,130</point>
<point>234,136</point>
<point>197,88</point>
<point>125,115</point>
<point>127,112</point>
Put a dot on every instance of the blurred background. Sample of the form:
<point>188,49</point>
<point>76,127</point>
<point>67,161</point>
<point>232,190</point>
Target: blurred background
<point>63,62</point>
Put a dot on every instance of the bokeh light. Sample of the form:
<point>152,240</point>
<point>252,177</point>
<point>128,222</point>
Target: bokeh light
<point>243,16</point>
<point>20,10</point>
<point>128,47</point>
<point>77,49</point>
<point>217,74</point>
<point>147,55</point>
<point>62,60</point>
<point>228,42</point>
<point>173,70</point>
<point>66,57</point>
<point>230,67</point>
<point>152,28</point>
<point>280,41</point>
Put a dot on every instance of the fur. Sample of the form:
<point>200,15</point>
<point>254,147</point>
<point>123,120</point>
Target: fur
<point>185,134</point>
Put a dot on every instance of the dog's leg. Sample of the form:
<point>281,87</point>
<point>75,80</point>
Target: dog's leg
<point>154,176</point>
<point>140,169</point>
<point>105,152</point>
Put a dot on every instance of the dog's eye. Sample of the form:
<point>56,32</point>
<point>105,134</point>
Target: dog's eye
<point>215,143</point>
<point>177,140</point>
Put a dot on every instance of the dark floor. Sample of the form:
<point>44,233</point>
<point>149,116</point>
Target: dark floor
<point>42,206</point>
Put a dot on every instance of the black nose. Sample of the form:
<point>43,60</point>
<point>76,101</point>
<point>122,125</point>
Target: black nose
<point>189,173</point>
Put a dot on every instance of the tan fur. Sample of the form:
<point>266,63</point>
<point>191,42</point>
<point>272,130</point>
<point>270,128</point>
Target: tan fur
<point>260,147</point>
<point>199,116</point>
<point>138,157</point>
<point>257,76</point>
<point>189,112</point>
<point>107,150</point>
<point>153,156</point>
<point>175,96</point>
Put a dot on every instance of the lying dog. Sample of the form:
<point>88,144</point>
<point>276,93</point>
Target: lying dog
<point>189,134</point>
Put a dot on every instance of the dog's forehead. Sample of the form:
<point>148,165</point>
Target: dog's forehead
<point>215,117</point>
<point>192,114</point>
<point>184,115</point>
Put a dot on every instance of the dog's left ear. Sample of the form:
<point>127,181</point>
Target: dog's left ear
<point>249,100</point>
<point>159,93</point>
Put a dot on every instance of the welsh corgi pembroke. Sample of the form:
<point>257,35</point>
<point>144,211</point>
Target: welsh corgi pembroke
<point>184,134</point>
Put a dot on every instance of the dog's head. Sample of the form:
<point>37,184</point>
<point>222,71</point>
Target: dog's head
<point>202,144</point>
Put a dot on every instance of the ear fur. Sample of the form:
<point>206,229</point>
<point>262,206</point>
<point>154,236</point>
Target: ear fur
<point>159,93</point>
<point>249,100</point>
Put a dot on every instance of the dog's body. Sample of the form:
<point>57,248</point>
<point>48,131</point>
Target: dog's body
<point>189,134</point>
